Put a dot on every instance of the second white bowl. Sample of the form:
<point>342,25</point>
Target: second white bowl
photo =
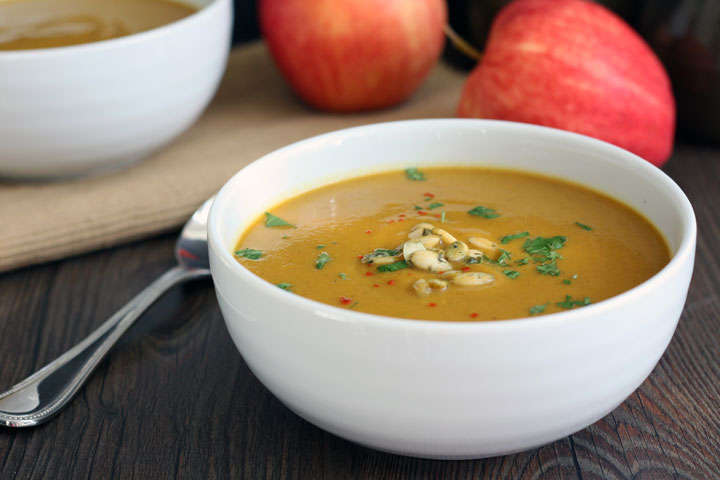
<point>73,110</point>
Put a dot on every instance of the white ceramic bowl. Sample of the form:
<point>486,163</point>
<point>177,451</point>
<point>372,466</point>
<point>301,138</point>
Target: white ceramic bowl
<point>450,390</point>
<point>73,110</point>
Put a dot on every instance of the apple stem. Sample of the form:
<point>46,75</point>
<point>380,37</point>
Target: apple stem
<point>461,44</point>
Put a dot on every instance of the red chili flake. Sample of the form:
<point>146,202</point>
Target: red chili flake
<point>360,256</point>
<point>391,221</point>
<point>345,300</point>
<point>376,285</point>
<point>391,282</point>
<point>401,215</point>
<point>474,315</point>
<point>465,269</point>
<point>368,274</point>
<point>429,195</point>
<point>368,231</point>
<point>420,212</point>
<point>432,304</point>
<point>401,220</point>
<point>437,215</point>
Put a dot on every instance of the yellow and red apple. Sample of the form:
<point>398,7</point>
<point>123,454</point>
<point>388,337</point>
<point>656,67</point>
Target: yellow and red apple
<point>354,55</point>
<point>574,65</point>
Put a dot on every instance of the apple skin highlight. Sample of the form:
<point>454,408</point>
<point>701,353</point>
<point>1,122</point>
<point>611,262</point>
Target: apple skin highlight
<point>354,55</point>
<point>574,65</point>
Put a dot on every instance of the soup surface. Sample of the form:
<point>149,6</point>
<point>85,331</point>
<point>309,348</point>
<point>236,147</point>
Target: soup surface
<point>453,244</point>
<point>27,24</point>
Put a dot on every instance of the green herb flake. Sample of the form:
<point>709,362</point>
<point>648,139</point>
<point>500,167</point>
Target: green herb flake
<point>321,260</point>
<point>273,221</point>
<point>534,310</point>
<point>549,268</point>
<point>284,286</point>
<point>414,174</point>
<point>511,273</point>
<point>542,250</point>
<point>583,226</point>
<point>569,303</point>
<point>442,217</point>
<point>319,247</point>
<point>484,212</point>
<point>508,238</point>
<point>522,261</point>
<point>435,205</point>
<point>379,252</point>
<point>391,267</point>
<point>504,257</point>
<point>418,207</point>
<point>351,306</point>
<point>342,275</point>
<point>567,282</point>
<point>249,253</point>
<point>285,237</point>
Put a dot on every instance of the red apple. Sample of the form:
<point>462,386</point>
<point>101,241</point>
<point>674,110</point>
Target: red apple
<point>353,55</point>
<point>574,65</point>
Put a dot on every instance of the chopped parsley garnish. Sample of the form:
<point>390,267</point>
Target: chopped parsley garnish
<point>391,267</point>
<point>414,174</point>
<point>570,303</point>
<point>567,282</point>
<point>543,246</point>
<point>285,236</point>
<point>542,250</point>
<point>435,205</point>
<point>534,310</point>
<point>273,221</point>
<point>379,252</point>
<point>583,226</point>
<point>320,247</point>
<point>511,273</point>
<point>502,260</point>
<point>549,268</point>
<point>249,253</point>
<point>284,286</point>
<point>442,217</point>
<point>418,207</point>
<point>504,257</point>
<point>508,238</point>
<point>484,212</point>
<point>522,261</point>
<point>342,275</point>
<point>322,259</point>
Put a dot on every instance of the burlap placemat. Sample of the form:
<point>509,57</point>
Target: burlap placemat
<point>253,113</point>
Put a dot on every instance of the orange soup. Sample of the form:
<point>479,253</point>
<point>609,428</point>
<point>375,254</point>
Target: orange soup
<point>453,244</point>
<point>29,24</point>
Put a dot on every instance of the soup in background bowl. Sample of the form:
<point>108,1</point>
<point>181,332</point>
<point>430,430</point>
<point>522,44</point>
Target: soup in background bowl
<point>94,106</point>
<point>450,389</point>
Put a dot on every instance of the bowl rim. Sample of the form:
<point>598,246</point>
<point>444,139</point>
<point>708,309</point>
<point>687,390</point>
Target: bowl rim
<point>685,250</point>
<point>118,42</point>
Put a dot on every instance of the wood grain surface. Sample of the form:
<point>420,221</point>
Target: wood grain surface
<point>175,400</point>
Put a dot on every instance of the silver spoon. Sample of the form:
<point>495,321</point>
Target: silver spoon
<point>43,394</point>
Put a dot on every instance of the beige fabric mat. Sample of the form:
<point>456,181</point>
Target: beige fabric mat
<point>253,113</point>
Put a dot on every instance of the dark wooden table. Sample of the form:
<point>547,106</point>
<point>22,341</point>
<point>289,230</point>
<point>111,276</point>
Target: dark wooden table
<point>175,400</point>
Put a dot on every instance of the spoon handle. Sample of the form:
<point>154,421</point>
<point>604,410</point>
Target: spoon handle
<point>43,394</point>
